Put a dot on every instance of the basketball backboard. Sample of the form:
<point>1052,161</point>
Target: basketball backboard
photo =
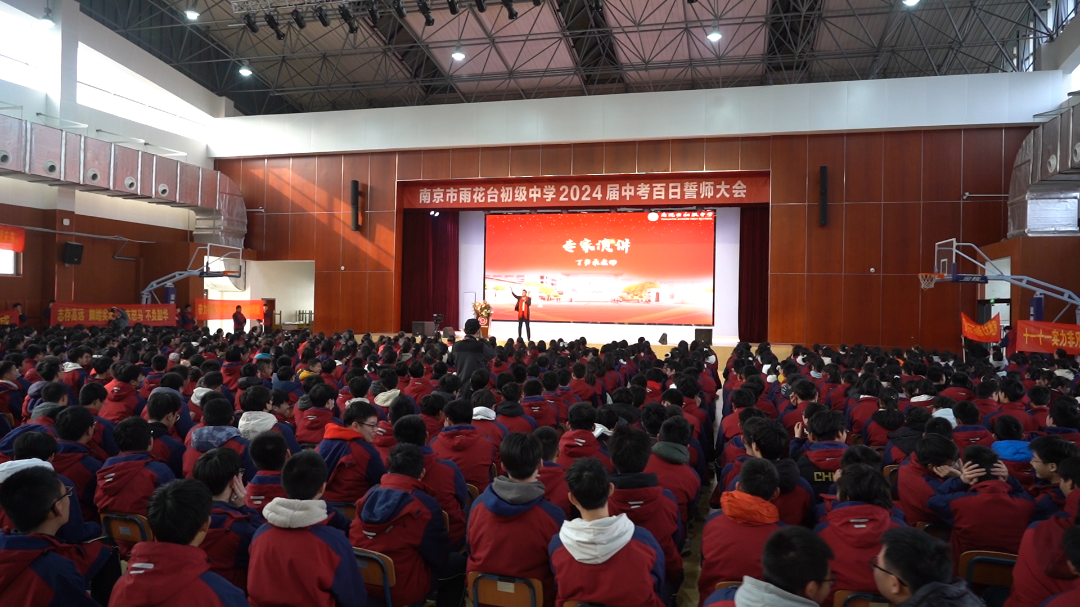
<point>945,258</point>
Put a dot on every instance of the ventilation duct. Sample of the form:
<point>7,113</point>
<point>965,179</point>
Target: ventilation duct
<point>1044,193</point>
<point>42,154</point>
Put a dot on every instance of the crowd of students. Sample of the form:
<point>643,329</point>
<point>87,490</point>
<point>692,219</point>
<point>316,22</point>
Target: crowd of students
<point>260,461</point>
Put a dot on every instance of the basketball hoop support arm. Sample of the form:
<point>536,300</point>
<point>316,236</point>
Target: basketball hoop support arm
<point>1024,282</point>
<point>148,295</point>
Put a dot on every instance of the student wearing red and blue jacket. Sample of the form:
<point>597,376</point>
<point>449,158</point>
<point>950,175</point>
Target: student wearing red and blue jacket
<point>987,509</point>
<point>217,431</point>
<point>297,538</point>
<point>284,380</point>
<point>230,369</point>
<point>173,570</point>
<point>510,412</point>
<point>828,436</point>
<point>163,410</point>
<point>968,430</point>
<point>232,524</point>
<point>600,558</point>
<point>126,482</point>
<point>460,442</point>
<point>514,506</point>
<point>1009,397</point>
<point>1047,454</point>
<point>542,409</point>
<point>442,478</point>
<point>579,442</point>
<point>918,482</point>
<point>123,400</point>
<point>399,519</point>
<point>352,462</point>
<point>1071,544</point>
<point>74,428</point>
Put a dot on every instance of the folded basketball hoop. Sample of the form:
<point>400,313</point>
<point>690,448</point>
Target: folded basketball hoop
<point>927,280</point>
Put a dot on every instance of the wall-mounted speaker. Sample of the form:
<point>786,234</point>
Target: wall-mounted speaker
<point>823,201</point>
<point>703,336</point>
<point>72,254</point>
<point>354,205</point>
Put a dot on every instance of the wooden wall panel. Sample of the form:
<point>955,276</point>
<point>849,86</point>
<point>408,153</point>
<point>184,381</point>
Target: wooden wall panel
<point>825,244</point>
<point>862,175</point>
<point>330,183</point>
<point>464,163</point>
<point>982,221</point>
<point>276,241</point>
<point>901,238</point>
<point>755,153</point>
<point>524,161</point>
<point>654,156</point>
<point>354,300</point>
<point>278,182</point>
<point>824,307</point>
<point>327,301</point>
<point>256,233</point>
<point>381,234</point>
<point>381,301</point>
<point>940,327</point>
<point>983,167</point>
<point>862,309</point>
<point>304,185</point>
<point>355,246</point>
<point>382,182</point>
<point>302,236</point>
<point>789,169</point>
<point>688,155</point>
<point>902,170</point>
<point>353,167</point>
<point>495,162</point>
<point>862,238</point>
<point>556,159</point>
<point>943,153</point>
<point>900,297</point>
<point>588,159</point>
<point>410,165</point>
<point>825,150</point>
<point>940,221</point>
<point>620,157</point>
<point>722,154</point>
<point>328,242</point>
<point>787,308</point>
<point>788,239</point>
<point>252,182</point>
<point>436,164</point>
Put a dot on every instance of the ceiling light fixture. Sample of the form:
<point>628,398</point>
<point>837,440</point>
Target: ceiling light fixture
<point>714,36</point>
<point>251,23</point>
<point>272,22</point>
<point>191,13</point>
<point>322,16</point>
<point>910,2</point>
<point>373,13</point>
<point>510,12</point>
<point>298,18</point>
<point>245,69</point>
<point>399,8</point>
<point>453,6</point>
<point>47,19</point>
<point>458,54</point>
<point>347,17</point>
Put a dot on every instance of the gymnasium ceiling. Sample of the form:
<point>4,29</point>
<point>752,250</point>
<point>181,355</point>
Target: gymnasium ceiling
<point>562,48</point>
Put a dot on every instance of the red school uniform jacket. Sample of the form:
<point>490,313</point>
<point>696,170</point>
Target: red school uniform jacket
<point>384,440</point>
<point>559,400</point>
<point>444,481</point>
<point>819,462</point>
<point>916,485</point>
<point>418,388</point>
<point>172,575</point>
<point>986,406</point>
<point>733,539</point>
<point>432,424</point>
<point>398,519</point>
<point>1017,410</point>
<point>853,530</point>
<point>524,515</point>
<point>229,539</point>
<point>493,429</point>
<point>556,491</point>
<point>966,436</point>
<point>512,415</point>
<point>1041,569</point>
<point>676,476</point>
<point>121,403</point>
<point>630,575</point>
<point>352,463</point>
<point>311,424</point>
<point>989,515</point>
<point>860,412</point>
<point>126,482</point>
<point>577,444</point>
<point>470,450</point>
<point>35,570</point>
<point>212,437</point>
<point>11,399</point>
<point>585,392</point>
<point>543,411</point>
<point>1065,599</point>
<point>74,461</point>
<point>648,505</point>
<point>263,488</point>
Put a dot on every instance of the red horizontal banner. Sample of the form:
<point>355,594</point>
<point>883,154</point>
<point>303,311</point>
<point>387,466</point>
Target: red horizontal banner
<point>986,333</point>
<point>223,309</point>
<point>706,189</point>
<point>156,315</point>
<point>9,317</point>
<point>12,239</point>
<point>1032,336</point>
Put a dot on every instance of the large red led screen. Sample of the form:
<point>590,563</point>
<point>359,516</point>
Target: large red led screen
<point>639,268</point>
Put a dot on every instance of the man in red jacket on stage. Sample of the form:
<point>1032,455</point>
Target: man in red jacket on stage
<point>522,307</point>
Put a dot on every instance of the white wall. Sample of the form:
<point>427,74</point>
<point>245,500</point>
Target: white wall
<point>725,291</point>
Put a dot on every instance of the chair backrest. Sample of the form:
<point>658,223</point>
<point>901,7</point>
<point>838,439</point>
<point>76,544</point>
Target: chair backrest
<point>446,520</point>
<point>851,598</point>
<point>494,470</point>
<point>345,509</point>
<point>723,585</point>
<point>935,529</point>
<point>9,418</point>
<point>987,568</point>
<point>309,446</point>
<point>473,492</point>
<point>127,527</point>
<point>377,569</point>
<point>891,473</point>
<point>502,591</point>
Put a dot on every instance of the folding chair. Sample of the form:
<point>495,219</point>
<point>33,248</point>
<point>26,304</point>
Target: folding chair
<point>473,492</point>
<point>308,446</point>
<point>127,527</point>
<point>345,509</point>
<point>494,470</point>
<point>987,568</point>
<point>892,473</point>
<point>377,569</point>
<point>502,591</point>
<point>723,585</point>
<point>10,420</point>
<point>851,598</point>
<point>937,530</point>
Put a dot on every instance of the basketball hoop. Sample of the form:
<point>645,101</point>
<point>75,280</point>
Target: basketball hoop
<point>927,280</point>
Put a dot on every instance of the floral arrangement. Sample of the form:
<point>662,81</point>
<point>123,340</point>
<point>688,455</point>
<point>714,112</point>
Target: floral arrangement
<point>481,309</point>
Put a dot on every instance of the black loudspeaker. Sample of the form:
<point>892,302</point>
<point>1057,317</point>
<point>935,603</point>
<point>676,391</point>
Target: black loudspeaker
<point>354,205</point>
<point>663,339</point>
<point>420,327</point>
<point>447,332</point>
<point>703,336</point>
<point>72,254</point>
<point>823,202</point>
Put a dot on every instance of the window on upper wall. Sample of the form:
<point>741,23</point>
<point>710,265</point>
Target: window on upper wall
<point>10,263</point>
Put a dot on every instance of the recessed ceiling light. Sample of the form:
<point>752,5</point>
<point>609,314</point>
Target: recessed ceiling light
<point>714,36</point>
<point>245,69</point>
<point>458,54</point>
<point>191,14</point>
<point>910,2</point>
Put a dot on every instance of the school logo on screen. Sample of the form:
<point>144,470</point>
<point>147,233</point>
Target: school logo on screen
<point>654,216</point>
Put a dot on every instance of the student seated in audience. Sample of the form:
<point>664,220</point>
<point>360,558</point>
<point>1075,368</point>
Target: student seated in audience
<point>484,417</point>
<point>431,409</point>
<point>803,392</point>
<point>75,428</point>
<point>1041,566</point>
<point>733,538</point>
<point>541,409</point>
<point>915,569</point>
<point>296,538</point>
<point>419,543</point>
<point>1047,452</point>
<point>442,478</point>
<point>986,509</point>
<point>123,400</point>
<point>887,419</point>
<point>1071,546</point>
<point>796,572</point>
<point>269,451</point>
<point>257,404</point>
<point>1013,449</point>
<point>352,462</point>
<point>600,558</point>
<point>918,480</point>
<point>1063,419</point>
<point>767,439</point>
<point>579,440</point>
<point>553,476</point>
<point>232,524</point>
<point>828,436</point>
<point>1009,397</point>
<point>510,413</point>
<point>173,570</point>
<point>968,430</point>
<point>126,482</point>
<point>853,526</point>
<point>314,412</point>
<point>902,441</point>
<point>514,506</point>
<point>800,441</point>
<point>670,462</point>
<point>648,505</point>
<point>460,442</point>
<point>217,431</point>
<point>30,449</point>
<point>164,408</point>
<point>36,568</point>
<point>102,446</point>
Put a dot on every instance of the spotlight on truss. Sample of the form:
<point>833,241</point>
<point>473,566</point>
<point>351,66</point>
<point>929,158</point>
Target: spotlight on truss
<point>251,23</point>
<point>510,12</point>
<point>347,17</point>
<point>298,18</point>
<point>272,22</point>
<point>481,5</point>
<point>373,13</point>
<point>453,6</point>
<point>399,8</point>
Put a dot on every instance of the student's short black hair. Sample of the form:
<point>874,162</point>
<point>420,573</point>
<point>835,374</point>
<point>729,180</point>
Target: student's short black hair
<point>132,434</point>
<point>255,398</point>
<point>432,404</point>
<point>827,425</point>
<point>549,441</point>
<point>864,483</point>
<point>410,430</point>
<point>128,373</point>
<point>521,455</point>
<point>940,426</point>
<point>676,430</point>
<point>1065,413</point>
<point>92,392</point>
<point>916,557</point>
<point>742,398</point>
<point>1013,389</point>
<point>40,445</point>
<point>401,406</point>
<point>966,413</point>
<point>269,450</point>
<point>358,412</point>
<point>630,449</point>
<point>53,392</point>
<point>1039,395</point>
<point>860,454</point>
<point>162,403</point>
<point>217,412</point>
<point>73,422</point>
<point>458,411</point>
<point>1007,427</point>
<point>768,436</point>
<point>303,475</point>
<point>217,468</point>
<point>1069,470</point>
<point>172,380</point>
<point>1053,449</point>
<point>588,482</point>
<point>804,389</point>
<point>652,416</point>
<point>28,495</point>
<point>793,557</point>
<point>581,416</point>
<point>1071,543</point>
<point>178,510</point>
<point>532,387</point>
<point>407,460</point>
<point>759,478</point>
<point>916,418</point>
<point>511,392</point>
<point>936,450</point>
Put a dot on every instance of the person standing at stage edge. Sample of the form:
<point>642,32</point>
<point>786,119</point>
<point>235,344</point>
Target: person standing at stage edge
<point>524,304</point>
<point>239,321</point>
<point>471,353</point>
